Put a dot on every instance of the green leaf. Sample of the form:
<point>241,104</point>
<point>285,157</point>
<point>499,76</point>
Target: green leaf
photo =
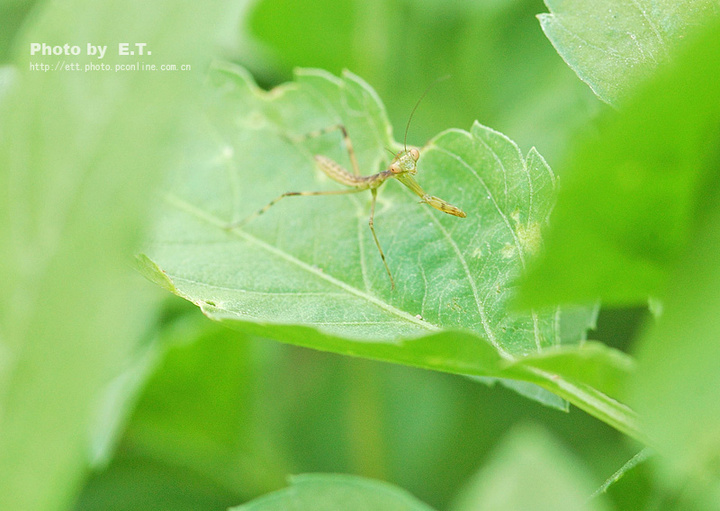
<point>588,376</point>
<point>575,322</point>
<point>677,382</point>
<point>614,45</point>
<point>312,261</point>
<point>319,492</point>
<point>80,154</point>
<point>530,471</point>
<point>627,203</point>
<point>206,409</point>
<point>308,272</point>
<point>592,363</point>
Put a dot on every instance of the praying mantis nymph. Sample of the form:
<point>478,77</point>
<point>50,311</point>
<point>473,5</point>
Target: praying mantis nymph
<point>403,167</point>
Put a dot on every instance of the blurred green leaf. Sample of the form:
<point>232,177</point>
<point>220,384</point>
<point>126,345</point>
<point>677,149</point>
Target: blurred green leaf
<point>206,409</point>
<point>677,383</point>
<point>614,45</point>
<point>627,468</point>
<point>80,154</point>
<point>530,471</point>
<point>319,492</point>
<point>626,209</point>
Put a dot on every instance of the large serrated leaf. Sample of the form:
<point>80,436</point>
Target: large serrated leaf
<point>308,272</point>
<point>312,261</point>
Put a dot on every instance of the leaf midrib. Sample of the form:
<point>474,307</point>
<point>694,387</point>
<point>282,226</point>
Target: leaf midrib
<point>203,215</point>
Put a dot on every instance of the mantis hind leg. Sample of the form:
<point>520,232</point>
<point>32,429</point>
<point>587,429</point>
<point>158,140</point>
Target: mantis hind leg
<point>253,216</point>
<point>377,242</point>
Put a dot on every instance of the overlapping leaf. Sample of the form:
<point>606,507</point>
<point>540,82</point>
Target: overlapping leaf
<point>614,45</point>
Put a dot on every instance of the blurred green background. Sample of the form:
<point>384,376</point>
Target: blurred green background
<point>503,71</point>
<point>225,417</point>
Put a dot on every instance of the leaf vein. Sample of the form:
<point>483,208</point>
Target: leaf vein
<point>213,220</point>
<point>473,285</point>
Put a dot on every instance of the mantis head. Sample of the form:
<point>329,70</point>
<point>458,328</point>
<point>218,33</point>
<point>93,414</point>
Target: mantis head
<point>405,162</point>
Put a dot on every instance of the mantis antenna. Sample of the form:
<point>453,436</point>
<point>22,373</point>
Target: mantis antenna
<point>433,84</point>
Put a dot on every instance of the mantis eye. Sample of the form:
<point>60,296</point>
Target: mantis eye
<point>414,154</point>
<point>395,168</point>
